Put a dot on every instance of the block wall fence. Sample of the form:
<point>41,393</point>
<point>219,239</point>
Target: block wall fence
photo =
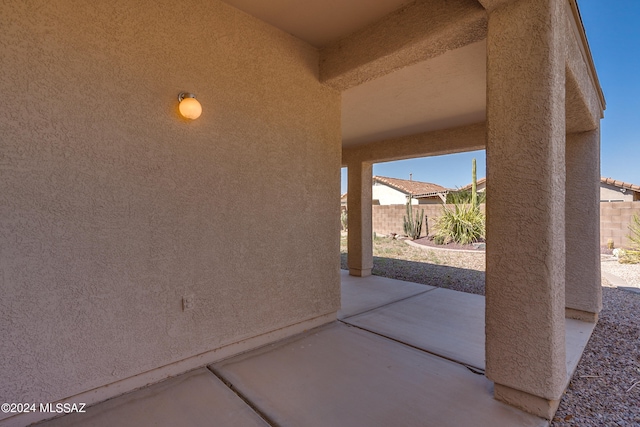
<point>615,218</point>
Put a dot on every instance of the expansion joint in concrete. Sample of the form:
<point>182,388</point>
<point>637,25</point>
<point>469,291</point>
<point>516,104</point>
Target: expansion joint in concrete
<point>474,369</point>
<point>244,398</point>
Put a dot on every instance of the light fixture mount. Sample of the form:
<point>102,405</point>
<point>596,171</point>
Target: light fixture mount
<point>184,95</point>
<point>189,106</point>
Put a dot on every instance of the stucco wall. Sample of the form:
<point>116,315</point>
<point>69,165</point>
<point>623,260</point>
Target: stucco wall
<point>389,196</point>
<point>612,193</point>
<point>112,207</point>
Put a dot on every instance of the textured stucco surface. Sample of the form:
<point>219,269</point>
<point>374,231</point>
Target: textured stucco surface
<point>583,108</point>
<point>613,193</point>
<point>444,92</point>
<point>112,207</point>
<point>439,142</point>
<point>585,102</point>
<point>414,33</point>
<point>525,244</point>
<point>360,246</point>
<point>583,285</point>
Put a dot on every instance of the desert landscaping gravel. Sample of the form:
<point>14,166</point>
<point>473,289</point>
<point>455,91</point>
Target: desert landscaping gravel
<point>605,389</point>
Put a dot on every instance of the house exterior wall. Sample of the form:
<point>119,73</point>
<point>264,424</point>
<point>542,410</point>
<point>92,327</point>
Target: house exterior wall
<point>610,193</point>
<point>112,207</point>
<point>389,196</point>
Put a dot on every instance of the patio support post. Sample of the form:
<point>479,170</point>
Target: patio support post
<point>583,282</point>
<point>360,256</point>
<point>525,275</point>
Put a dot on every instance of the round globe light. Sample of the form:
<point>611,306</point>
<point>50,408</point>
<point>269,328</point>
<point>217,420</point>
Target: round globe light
<point>189,106</point>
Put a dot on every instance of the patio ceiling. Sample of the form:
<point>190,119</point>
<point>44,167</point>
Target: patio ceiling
<point>444,91</point>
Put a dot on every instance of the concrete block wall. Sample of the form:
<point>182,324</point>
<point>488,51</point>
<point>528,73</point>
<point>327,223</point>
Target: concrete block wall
<point>615,218</point>
<point>388,219</point>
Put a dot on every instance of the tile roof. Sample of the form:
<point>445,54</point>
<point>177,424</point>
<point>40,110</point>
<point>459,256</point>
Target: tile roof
<point>414,188</point>
<point>468,186</point>
<point>609,181</point>
<point>620,184</point>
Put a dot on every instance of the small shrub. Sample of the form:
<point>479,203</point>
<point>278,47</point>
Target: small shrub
<point>629,257</point>
<point>439,239</point>
<point>344,220</point>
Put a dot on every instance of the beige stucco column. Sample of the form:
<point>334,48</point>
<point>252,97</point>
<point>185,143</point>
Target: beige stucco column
<point>583,287</point>
<point>360,257</point>
<point>525,300</point>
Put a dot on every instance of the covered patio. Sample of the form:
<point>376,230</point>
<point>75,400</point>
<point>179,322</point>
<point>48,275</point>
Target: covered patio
<point>138,244</point>
<point>401,353</point>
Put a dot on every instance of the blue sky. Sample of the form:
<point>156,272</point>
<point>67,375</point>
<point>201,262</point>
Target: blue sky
<point>613,31</point>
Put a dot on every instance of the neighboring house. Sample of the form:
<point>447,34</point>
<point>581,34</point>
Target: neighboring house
<point>396,191</point>
<point>343,200</point>
<point>481,185</point>
<point>612,190</point>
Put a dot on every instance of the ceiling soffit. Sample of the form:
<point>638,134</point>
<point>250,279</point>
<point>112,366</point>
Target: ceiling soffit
<point>403,67</point>
<point>444,92</point>
<point>319,22</point>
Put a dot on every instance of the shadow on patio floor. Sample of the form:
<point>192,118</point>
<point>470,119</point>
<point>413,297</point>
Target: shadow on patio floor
<point>400,354</point>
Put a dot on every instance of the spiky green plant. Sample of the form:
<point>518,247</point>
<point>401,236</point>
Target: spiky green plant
<point>413,224</point>
<point>465,222</point>
<point>461,223</point>
<point>632,256</point>
<point>474,185</point>
<point>634,228</point>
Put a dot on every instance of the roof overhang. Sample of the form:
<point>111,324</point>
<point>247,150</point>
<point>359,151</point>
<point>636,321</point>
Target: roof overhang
<point>405,68</point>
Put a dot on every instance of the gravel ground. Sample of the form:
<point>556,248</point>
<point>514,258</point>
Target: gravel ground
<point>605,389</point>
<point>629,272</point>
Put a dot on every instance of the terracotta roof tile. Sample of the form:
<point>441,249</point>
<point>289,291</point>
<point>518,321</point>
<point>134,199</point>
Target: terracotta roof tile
<point>620,184</point>
<point>478,182</point>
<point>413,188</point>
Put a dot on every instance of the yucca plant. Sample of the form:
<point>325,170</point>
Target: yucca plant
<point>632,256</point>
<point>413,225</point>
<point>344,220</point>
<point>465,222</point>
<point>462,224</point>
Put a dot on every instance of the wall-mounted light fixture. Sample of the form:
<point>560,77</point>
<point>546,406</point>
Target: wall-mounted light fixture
<point>189,106</point>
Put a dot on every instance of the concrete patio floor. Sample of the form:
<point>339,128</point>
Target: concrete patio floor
<point>400,354</point>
